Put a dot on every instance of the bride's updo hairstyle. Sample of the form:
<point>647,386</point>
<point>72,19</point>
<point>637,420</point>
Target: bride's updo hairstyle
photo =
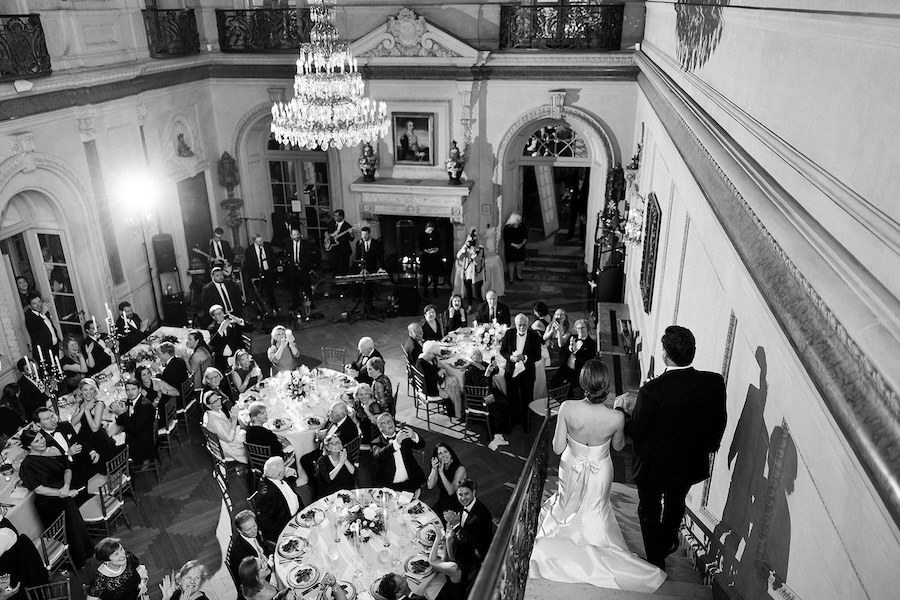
<point>594,379</point>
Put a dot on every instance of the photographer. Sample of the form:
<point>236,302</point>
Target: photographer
<point>470,259</point>
<point>283,352</point>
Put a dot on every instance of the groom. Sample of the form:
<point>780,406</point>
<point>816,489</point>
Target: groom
<point>678,420</point>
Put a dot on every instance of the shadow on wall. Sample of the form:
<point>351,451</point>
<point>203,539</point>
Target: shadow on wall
<point>753,539</point>
<point>699,27</point>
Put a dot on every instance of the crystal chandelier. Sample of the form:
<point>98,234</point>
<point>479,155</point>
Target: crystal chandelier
<point>328,107</point>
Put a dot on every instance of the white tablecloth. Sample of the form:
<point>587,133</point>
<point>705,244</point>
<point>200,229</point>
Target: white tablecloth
<point>365,564</point>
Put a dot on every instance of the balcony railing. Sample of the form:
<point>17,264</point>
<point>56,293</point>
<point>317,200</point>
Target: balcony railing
<point>505,569</point>
<point>171,33</point>
<point>562,27</point>
<point>23,49</point>
<point>262,29</point>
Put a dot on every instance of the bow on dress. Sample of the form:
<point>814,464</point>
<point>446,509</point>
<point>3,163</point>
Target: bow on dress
<point>580,471</point>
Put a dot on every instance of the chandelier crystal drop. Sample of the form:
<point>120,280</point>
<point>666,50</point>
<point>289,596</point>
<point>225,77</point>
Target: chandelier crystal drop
<point>328,108</point>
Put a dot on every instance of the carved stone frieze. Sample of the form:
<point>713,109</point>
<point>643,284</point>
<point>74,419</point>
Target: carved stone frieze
<point>413,197</point>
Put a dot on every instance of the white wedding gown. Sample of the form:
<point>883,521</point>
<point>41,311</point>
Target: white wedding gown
<point>578,539</point>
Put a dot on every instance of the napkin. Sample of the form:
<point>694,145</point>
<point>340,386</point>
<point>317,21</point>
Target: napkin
<point>425,518</point>
<point>405,498</point>
<point>364,595</point>
<point>301,531</point>
<point>519,368</point>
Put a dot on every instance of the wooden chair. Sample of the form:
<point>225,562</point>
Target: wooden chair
<point>257,455</point>
<point>188,403</point>
<point>119,462</point>
<point>152,465</point>
<point>106,507</point>
<point>549,405</point>
<point>55,546</point>
<point>334,358</point>
<point>56,590</point>
<point>219,476</point>
<point>234,576</point>
<point>352,449</point>
<point>476,408</point>
<point>409,373</point>
<point>431,404</point>
<point>396,395</point>
<point>169,429</point>
<point>214,446</point>
<point>251,500</point>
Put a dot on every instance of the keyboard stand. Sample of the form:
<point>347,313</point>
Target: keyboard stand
<point>364,294</point>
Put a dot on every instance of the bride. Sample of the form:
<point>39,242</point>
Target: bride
<point>578,539</point>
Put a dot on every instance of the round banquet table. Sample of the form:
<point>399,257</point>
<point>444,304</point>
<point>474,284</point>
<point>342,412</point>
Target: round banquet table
<point>297,403</point>
<point>361,564</point>
<point>460,344</point>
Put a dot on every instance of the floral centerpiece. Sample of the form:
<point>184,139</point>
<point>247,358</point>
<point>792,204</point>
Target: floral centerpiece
<point>297,382</point>
<point>489,335</point>
<point>142,355</point>
<point>361,522</point>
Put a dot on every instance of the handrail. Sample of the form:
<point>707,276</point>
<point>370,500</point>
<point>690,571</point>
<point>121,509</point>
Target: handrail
<point>23,47</point>
<point>171,32</point>
<point>562,26</point>
<point>504,573</point>
<point>263,29</point>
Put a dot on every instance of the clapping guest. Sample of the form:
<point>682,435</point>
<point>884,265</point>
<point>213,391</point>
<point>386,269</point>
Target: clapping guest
<point>455,317</point>
<point>393,451</point>
<point>74,366</point>
<point>154,388</point>
<point>247,542</point>
<point>136,416</point>
<point>431,327</point>
<point>339,422</point>
<point>120,576</point>
<point>212,386</point>
<point>96,353</point>
<point>541,317</point>
<point>474,519</point>
<point>334,470</point>
<point>276,500</point>
<point>283,352</point>
<point>186,584</point>
<point>457,560</point>
<point>231,436</point>
<point>89,416</point>
<point>446,473</point>
<point>557,337</point>
<point>130,328</point>
<point>382,388</point>
<point>366,412</point>
<point>357,369</point>
<point>246,373</point>
<point>582,348</point>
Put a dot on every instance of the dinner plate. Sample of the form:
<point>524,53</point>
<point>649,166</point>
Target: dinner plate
<point>280,425</point>
<point>292,546</point>
<point>426,535</point>
<point>416,508</point>
<point>349,589</point>
<point>383,495</point>
<point>309,518</point>
<point>373,589</point>
<point>459,363</point>
<point>303,576</point>
<point>314,422</point>
<point>414,566</point>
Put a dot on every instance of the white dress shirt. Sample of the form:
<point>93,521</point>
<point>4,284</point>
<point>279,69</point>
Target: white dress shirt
<point>289,494</point>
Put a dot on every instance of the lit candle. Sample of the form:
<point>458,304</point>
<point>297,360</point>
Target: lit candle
<point>40,355</point>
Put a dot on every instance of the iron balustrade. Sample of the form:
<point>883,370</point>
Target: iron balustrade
<point>171,33</point>
<point>262,29</point>
<point>23,48</point>
<point>504,573</point>
<point>562,27</point>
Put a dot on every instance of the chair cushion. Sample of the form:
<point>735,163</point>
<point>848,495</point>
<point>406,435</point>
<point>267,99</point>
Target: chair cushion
<point>92,512</point>
<point>55,551</point>
<point>95,483</point>
<point>167,430</point>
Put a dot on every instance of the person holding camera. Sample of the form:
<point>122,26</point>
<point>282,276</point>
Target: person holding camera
<point>470,260</point>
<point>283,352</point>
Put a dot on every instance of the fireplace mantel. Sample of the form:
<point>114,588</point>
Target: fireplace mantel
<point>413,197</point>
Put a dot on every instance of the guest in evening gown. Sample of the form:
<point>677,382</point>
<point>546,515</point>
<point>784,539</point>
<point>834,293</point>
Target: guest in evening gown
<point>246,373</point>
<point>432,329</point>
<point>446,473</point>
<point>334,470</point>
<point>283,352</point>
<point>120,576</point>
<point>90,416</point>
<point>557,336</point>
<point>19,558</point>
<point>579,540</point>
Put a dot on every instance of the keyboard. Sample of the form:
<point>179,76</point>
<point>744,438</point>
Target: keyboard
<point>360,277</point>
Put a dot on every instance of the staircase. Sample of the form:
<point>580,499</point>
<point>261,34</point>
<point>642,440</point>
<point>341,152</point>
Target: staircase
<point>554,274</point>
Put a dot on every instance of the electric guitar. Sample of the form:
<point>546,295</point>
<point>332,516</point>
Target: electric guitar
<point>331,239</point>
<point>227,267</point>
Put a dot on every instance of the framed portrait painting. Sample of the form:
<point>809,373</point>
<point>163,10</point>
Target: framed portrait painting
<point>413,138</point>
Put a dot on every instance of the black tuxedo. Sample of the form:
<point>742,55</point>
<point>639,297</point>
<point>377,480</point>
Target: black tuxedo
<point>175,372</point>
<point>520,389</point>
<point>135,336</point>
<point>227,252</point>
<point>484,313</point>
<point>383,451</point>
<point>299,257</point>
<point>210,295</point>
<point>30,397</point>
<point>41,336</point>
<point>373,258</point>
<point>360,365</point>
<point>678,420</point>
<point>259,435</point>
<point>341,250</point>
<point>232,339</point>
<point>586,352</point>
<point>82,466</point>
<point>238,550</point>
<point>100,356</point>
<point>264,271</point>
<point>272,512</point>
<point>412,349</point>
<point>479,527</point>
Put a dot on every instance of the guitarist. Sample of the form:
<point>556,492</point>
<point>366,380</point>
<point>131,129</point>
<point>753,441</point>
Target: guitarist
<point>219,249</point>
<point>338,244</point>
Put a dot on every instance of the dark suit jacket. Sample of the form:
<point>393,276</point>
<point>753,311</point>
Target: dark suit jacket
<point>233,338</point>
<point>40,335</point>
<point>484,313</point>
<point>261,436</point>
<point>134,336</point>
<point>679,418</point>
<point>532,351</point>
<point>587,351</point>
<point>30,397</point>
<point>209,295</point>
<point>374,258</point>
<point>347,430</point>
<point>272,512</point>
<point>342,246</point>
<point>101,358</point>
<point>175,372</point>
<point>479,527</point>
<point>252,268</point>
<point>358,364</point>
<point>412,349</point>
<point>241,549</point>
<point>383,451</point>
<point>226,250</point>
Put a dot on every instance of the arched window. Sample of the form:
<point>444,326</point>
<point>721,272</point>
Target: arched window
<point>555,141</point>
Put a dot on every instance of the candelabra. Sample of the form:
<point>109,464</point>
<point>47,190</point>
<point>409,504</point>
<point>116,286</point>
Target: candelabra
<point>46,375</point>
<point>113,340</point>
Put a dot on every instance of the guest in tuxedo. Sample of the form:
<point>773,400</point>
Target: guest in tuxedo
<point>30,397</point>
<point>520,346</point>
<point>259,435</point>
<point>395,587</point>
<point>246,541</point>
<point>677,421</point>
<point>299,265</point>
<point>474,518</point>
<point>259,267</point>
<point>480,373</point>
<point>137,416</point>
<point>357,369</point>
<point>62,436</point>
<point>369,251</point>
<point>97,354</point>
<point>130,328</point>
<point>581,349</point>
<point>338,422</point>
<point>43,333</point>
<point>219,248</point>
<point>175,370</point>
<point>493,310</point>
<point>221,292</point>
<point>341,233</point>
<point>276,500</point>
<point>226,337</point>
<point>432,329</point>
<point>431,259</point>
<point>412,345</point>
<point>393,451</point>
